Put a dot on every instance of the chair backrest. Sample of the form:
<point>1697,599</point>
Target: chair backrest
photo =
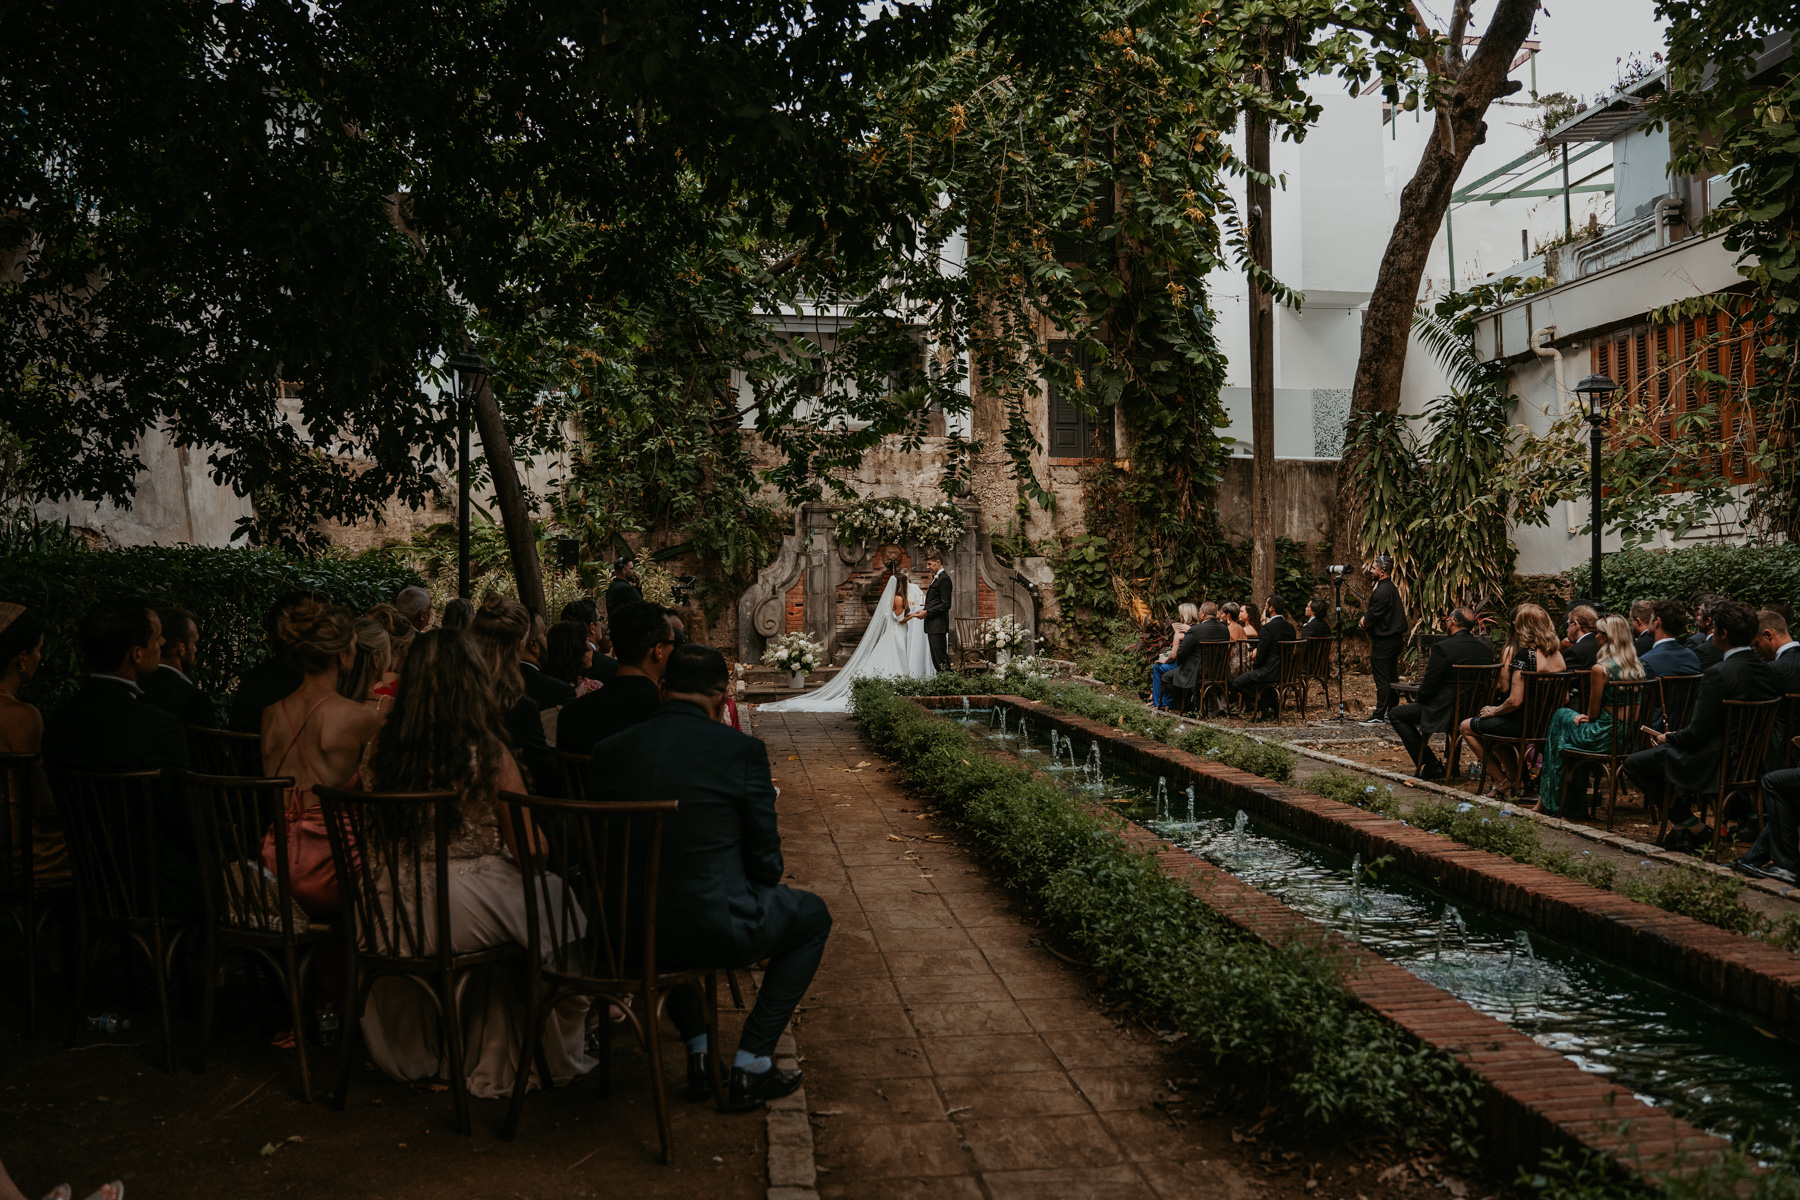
<point>591,898</point>
<point>231,815</point>
<point>1291,666</point>
<point>1215,661</point>
<point>575,773</point>
<point>1475,684</point>
<point>110,823</point>
<point>18,773</point>
<point>1318,657</point>
<point>1545,692</point>
<point>1678,695</point>
<point>392,855</point>
<point>1789,721</point>
<point>1745,741</point>
<point>1424,642</point>
<point>1629,702</point>
<point>968,632</point>
<point>225,752</point>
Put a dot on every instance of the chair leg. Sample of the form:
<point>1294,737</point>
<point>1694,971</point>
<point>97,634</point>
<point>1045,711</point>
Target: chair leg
<point>296,1006</point>
<point>737,996</point>
<point>715,1062</point>
<point>83,953</point>
<point>653,1047</point>
<point>450,1020</point>
<point>31,997</point>
<point>159,979</point>
<point>603,1072</point>
<point>529,1053</point>
<point>209,992</point>
<point>356,1000</point>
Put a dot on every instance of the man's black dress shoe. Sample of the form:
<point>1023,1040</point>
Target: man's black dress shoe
<point>1433,771</point>
<point>753,1091</point>
<point>699,1085</point>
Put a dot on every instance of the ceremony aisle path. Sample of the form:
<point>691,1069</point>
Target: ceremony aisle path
<point>947,1053</point>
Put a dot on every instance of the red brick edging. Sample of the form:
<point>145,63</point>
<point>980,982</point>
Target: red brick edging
<point>1535,1098</point>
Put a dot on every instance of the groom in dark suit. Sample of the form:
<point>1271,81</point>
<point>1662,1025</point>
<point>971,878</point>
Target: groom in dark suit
<point>721,897</point>
<point>937,611</point>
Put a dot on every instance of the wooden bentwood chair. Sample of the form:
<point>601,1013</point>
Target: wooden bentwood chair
<point>247,908</point>
<point>575,773</point>
<point>1214,676</point>
<point>392,854</point>
<point>22,896</point>
<point>1317,669</point>
<point>1545,692</point>
<point>590,910</point>
<point>1475,684</point>
<point>225,752</point>
<point>1289,684</point>
<point>1744,750</point>
<point>1628,704</point>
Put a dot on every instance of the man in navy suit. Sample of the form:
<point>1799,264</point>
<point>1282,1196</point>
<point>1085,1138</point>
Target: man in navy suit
<point>1668,654</point>
<point>1687,760</point>
<point>721,897</point>
<point>1641,637</point>
<point>1776,853</point>
<point>1701,643</point>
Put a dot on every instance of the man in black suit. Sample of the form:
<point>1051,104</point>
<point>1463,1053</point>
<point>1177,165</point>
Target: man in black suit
<point>1276,629</point>
<point>109,726</point>
<point>644,639</point>
<point>1583,646</point>
<point>625,588</point>
<point>168,687</point>
<point>1187,655</point>
<point>545,691</point>
<point>1774,854</point>
<point>1316,624</point>
<point>937,611</point>
<point>1386,624</point>
<point>1642,638</point>
<point>1415,723</point>
<point>1775,647</point>
<point>1701,643</point>
<point>722,902</point>
<point>1687,760</point>
<point>272,680</point>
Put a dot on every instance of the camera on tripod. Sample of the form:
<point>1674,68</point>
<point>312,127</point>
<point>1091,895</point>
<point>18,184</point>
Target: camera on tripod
<point>1338,570</point>
<point>683,588</point>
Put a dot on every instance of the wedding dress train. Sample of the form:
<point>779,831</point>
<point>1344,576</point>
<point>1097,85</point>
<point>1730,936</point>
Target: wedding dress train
<point>891,648</point>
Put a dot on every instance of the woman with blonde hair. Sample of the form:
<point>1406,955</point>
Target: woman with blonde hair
<point>1591,728</point>
<point>498,632</point>
<point>374,654</point>
<point>401,632</point>
<point>1534,646</point>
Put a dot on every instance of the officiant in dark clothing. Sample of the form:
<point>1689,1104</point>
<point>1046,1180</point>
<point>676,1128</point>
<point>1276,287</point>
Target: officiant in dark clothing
<point>625,588</point>
<point>722,902</point>
<point>110,726</point>
<point>643,639</point>
<point>1276,629</point>
<point>1385,621</point>
<point>1316,625</point>
<point>1415,723</point>
<point>1687,760</point>
<point>938,596</point>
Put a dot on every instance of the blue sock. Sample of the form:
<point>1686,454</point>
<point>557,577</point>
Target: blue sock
<point>697,1044</point>
<point>756,1064</point>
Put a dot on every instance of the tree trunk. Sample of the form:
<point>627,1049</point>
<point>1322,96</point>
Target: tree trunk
<point>1459,127</point>
<point>509,497</point>
<point>1262,367</point>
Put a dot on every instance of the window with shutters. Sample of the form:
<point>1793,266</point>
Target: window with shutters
<point>1071,245</point>
<point>1074,433</point>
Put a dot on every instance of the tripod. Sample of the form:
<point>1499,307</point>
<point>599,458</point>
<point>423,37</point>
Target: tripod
<point>1337,588</point>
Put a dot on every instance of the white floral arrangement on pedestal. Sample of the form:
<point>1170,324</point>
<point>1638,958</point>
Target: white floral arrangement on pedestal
<point>1006,637</point>
<point>795,653</point>
<point>894,519</point>
<point>1026,670</point>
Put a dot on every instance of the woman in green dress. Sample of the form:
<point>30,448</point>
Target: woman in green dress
<point>1590,729</point>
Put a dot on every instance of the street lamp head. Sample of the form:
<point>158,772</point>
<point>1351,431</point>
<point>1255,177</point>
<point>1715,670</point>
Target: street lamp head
<point>1596,390</point>
<point>468,364</point>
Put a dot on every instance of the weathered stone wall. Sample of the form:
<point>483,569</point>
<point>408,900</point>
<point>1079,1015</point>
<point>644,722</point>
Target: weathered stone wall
<point>1305,501</point>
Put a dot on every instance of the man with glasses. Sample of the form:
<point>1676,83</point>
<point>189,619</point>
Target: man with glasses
<point>643,638</point>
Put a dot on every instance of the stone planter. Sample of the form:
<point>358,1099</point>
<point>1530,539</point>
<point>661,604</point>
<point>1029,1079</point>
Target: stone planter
<point>796,679</point>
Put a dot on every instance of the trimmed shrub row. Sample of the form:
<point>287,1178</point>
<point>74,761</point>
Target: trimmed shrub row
<point>1753,574</point>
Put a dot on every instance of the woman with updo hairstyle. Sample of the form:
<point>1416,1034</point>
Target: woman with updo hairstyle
<point>22,732</point>
<point>498,632</point>
<point>373,655</point>
<point>446,735</point>
<point>315,736</point>
<point>400,633</point>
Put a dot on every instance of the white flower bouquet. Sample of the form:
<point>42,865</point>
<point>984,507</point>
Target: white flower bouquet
<point>795,653</point>
<point>1007,636</point>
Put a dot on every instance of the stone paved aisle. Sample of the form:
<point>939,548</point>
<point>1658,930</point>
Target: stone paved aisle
<point>946,1054</point>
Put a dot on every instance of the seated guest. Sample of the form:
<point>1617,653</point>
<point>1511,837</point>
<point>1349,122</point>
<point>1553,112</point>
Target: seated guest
<point>1187,651</point>
<point>1248,619</point>
<point>568,655</point>
<point>1581,647</point>
<point>109,726</point>
<point>586,613</point>
<point>1687,760</point>
<point>169,687</point>
<point>1642,638</point>
<point>645,640</point>
<point>1165,665</point>
<point>400,632</point>
<point>457,615</point>
<point>22,732</point>
<point>1668,654</point>
<point>271,679</point>
<point>722,902</point>
<point>1250,686</point>
<point>1776,852</point>
<point>499,631</point>
<point>1317,626</point>
<point>1701,643</point>
<point>1431,713</point>
<point>445,734</point>
<point>1782,652</point>
<point>374,654</point>
<point>316,736</point>
<point>546,690</point>
<point>414,606</point>
<point>1234,622</point>
<point>1534,646</point>
<point>1591,728</point>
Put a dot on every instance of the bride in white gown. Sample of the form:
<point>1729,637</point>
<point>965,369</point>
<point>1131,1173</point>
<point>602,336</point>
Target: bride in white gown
<point>893,646</point>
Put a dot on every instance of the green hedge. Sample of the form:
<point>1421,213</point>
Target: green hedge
<point>1752,574</point>
<point>1282,1011</point>
<point>228,590</point>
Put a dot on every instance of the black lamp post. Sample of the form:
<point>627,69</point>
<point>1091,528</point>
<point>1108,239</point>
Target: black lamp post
<point>472,366</point>
<point>1596,390</point>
